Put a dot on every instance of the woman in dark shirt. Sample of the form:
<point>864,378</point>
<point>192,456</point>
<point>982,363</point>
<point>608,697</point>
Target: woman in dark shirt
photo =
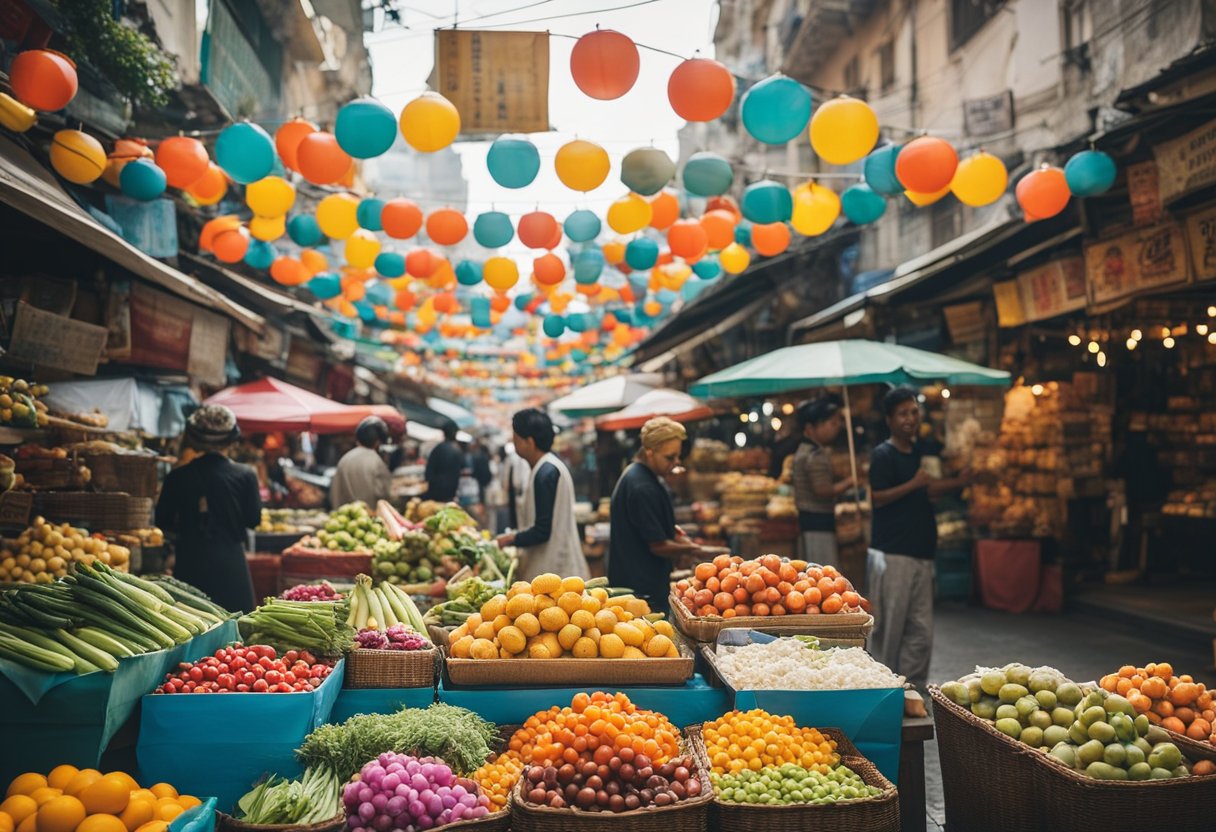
<point>207,505</point>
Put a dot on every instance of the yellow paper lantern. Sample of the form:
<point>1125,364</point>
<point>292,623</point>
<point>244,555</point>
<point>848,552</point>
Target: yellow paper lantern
<point>500,273</point>
<point>429,123</point>
<point>270,197</point>
<point>268,228</point>
<point>338,216</point>
<point>581,165</point>
<point>843,130</point>
<point>734,259</point>
<point>629,214</point>
<point>614,252</point>
<point>922,200</point>
<point>815,209</point>
<point>77,156</point>
<point>314,261</point>
<point>361,249</point>
<point>980,180</point>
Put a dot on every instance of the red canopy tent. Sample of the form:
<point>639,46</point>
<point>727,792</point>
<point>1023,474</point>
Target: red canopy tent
<point>662,402</point>
<point>269,404</point>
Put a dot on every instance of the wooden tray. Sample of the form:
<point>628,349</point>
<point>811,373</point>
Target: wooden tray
<point>842,625</point>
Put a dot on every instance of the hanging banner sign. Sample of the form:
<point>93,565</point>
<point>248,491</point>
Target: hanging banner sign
<point>1201,234</point>
<point>46,339</point>
<point>1188,162</point>
<point>208,348</point>
<point>160,329</point>
<point>1008,299</point>
<point>1140,261</point>
<point>1053,288</point>
<point>1144,192</point>
<point>498,81</point>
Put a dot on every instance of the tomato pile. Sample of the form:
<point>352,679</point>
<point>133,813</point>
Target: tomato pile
<point>248,669</point>
<point>730,586</point>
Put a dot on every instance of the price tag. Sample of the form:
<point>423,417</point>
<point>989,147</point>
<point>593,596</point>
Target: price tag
<point>15,508</point>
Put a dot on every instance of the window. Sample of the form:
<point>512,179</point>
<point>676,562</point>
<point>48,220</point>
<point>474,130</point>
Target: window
<point>1078,30</point>
<point>886,65</point>
<point>852,75</point>
<point>969,16</point>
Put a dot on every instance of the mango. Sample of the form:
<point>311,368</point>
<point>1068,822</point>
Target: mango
<point>1065,753</point>
<point>1142,724</point>
<point>975,691</point>
<point>985,708</point>
<point>1115,755</point>
<point>1041,719</point>
<point>1133,754</point>
<point>1032,736</point>
<point>956,692</point>
<point>1026,706</point>
<point>1040,682</point>
<point>1124,727</point>
<point>1053,735</point>
<point>1062,716</point>
<point>1009,727</point>
<point>1011,692</point>
<point>1069,693</point>
<point>1008,711</point>
<point>1090,752</point>
<point>992,682</point>
<point>1078,734</point>
<point>1103,732</point>
<point>1102,771</point>
<point>1139,771</point>
<point>1161,774</point>
<point>1117,704</point>
<point>1093,714</point>
<point>1046,699</point>
<point>1165,755</point>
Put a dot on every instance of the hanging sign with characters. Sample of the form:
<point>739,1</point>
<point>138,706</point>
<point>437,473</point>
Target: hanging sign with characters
<point>1139,261</point>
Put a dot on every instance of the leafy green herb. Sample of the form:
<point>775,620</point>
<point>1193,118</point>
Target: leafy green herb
<point>124,55</point>
<point>314,798</point>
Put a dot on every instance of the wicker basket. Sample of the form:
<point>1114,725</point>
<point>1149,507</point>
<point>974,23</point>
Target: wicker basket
<point>873,814</point>
<point>95,510</point>
<point>136,474</point>
<point>390,668</point>
<point>992,781</point>
<point>689,815</point>
<point>227,823</point>
<point>850,625</point>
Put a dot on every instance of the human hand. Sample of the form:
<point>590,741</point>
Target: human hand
<point>505,540</point>
<point>921,479</point>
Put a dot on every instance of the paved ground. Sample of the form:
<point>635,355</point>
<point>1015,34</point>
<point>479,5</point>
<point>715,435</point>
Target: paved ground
<point>1082,646</point>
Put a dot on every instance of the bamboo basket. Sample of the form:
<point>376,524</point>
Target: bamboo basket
<point>367,668</point>
<point>136,474</point>
<point>873,814</point>
<point>992,781</point>
<point>227,823</point>
<point>96,510</point>
<point>844,625</point>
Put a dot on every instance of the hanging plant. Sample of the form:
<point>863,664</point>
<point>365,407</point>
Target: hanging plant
<point>131,61</point>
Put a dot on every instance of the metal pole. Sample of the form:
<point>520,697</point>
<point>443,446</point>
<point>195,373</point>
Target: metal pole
<point>848,415</point>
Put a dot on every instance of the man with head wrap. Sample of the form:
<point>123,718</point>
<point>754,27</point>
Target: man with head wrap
<point>645,541</point>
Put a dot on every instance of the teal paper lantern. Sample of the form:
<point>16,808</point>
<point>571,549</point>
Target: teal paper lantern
<point>642,253</point>
<point>390,264</point>
<point>326,285</point>
<point>707,174</point>
<point>582,226</point>
<point>479,312</point>
<point>554,325</point>
<point>879,171</point>
<point>366,311</point>
<point>743,234</point>
<point>468,272</point>
<point>260,254</point>
<point>693,288</point>
<point>588,266</point>
<point>646,170</point>
<point>578,322</point>
<point>245,152</point>
<point>707,268</point>
<point>368,214</point>
<point>623,315</point>
<point>639,283</point>
<point>141,179</point>
<point>380,294</point>
<point>861,204</point>
<point>522,301</point>
<point>767,201</point>
<point>493,229</point>
<point>776,110</point>
<point>513,163</point>
<point>1090,172</point>
<point>365,128</point>
<point>666,297</point>
<point>305,231</point>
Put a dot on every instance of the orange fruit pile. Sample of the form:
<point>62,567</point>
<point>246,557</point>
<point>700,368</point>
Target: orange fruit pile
<point>1176,703</point>
<point>593,726</point>
<point>756,739</point>
<point>498,777</point>
<point>730,586</point>
<point>85,800</point>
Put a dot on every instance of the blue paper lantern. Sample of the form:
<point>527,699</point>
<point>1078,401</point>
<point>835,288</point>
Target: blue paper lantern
<point>260,254</point>
<point>743,234</point>
<point>639,283</point>
<point>582,226</point>
<point>578,356</point>
<point>588,266</point>
<point>365,128</point>
<point>468,272</point>
<point>707,268</point>
<point>245,152</point>
<point>623,315</point>
<point>707,174</point>
<point>640,318</point>
<point>693,288</point>
<point>554,325</point>
<point>326,285</point>
<point>479,312</point>
<point>380,293</point>
<point>666,297</point>
<point>767,201</point>
<point>879,171</point>
<point>368,214</point>
<point>367,312</point>
<point>513,163</point>
<point>861,204</point>
<point>1090,172</point>
<point>141,179</point>
<point>493,229</point>
<point>776,110</point>
<point>390,264</point>
<point>642,253</point>
<point>304,231</point>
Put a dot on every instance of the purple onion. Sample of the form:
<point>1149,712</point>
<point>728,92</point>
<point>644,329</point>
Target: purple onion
<point>354,822</point>
<point>365,794</point>
<point>382,823</point>
<point>443,776</point>
<point>425,822</point>
<point>412,766</point>
<point>468,800</point>
<point>459,790</point>
<point>417,808</point>
<point>395,767</point>
<point>405,791</point>
<point>435,805</point>
<point>380,800</point>
<point>427,771</point>
<point>478,812</point>
<point>450,800</point>
<point>366,811</point>
<point>390,782</point>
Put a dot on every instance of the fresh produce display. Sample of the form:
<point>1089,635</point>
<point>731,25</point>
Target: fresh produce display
<point>456,735</point>
<point>498,777</point>
<point>417,509</point>
<point>350,528</point>
<point>318,626</point>
<point>730,586</point>
<point>383,606</point>
<point>95,617</point>
<point>39,467</point>
<point>186,594</point>
<point>793,664</point>
<point>248,669</point>
<point>149,537</point>
<point>755,740</point>
<point>396,637</point>
<point>1095,732</point>
<point>406,560</point>
<point>85,800</point>
<point>290,521</point>
<point>635,783</point>
<point>20,405</point>
<point>1176,703</point>
<point>314,798</point>
<point>551,736</point>
<point>44,551</point>
<point>554,617</point>
<point>463,599</point>
<point>311,592</point>
<point>400,792</point>
<point>791,784</point>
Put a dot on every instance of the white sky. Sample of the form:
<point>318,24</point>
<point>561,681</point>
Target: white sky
<point>402,60</point>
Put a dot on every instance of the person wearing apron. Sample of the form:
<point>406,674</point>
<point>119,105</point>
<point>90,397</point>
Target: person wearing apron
<point>815,490</point>
<point>549,540</point>
<point>206,506</point>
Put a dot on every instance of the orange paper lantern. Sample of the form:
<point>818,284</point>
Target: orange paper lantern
<point>614,252</point>
<point>926,165</point>
<point>1043,193</point>
<point>43,79</point>
<point>770,239</point>
<point>445,303</point>
<point>688,239</point>
<point>719,228</point>
<point>700,89</point>
<point>664,210</point>
<point>401,218</point>
<point>724,203</point>
<point>604,64</point>
<point>183,159</point>
<point>212,228</point>
<point>500,303</point>
<point>322,161</point>
<point>209,188</point>
<point>405,300</point>
<point>314,261</point>
<point>287,141</point>
<point>230,245</point>
<point>549,269</point>
<point>446,227</point>
<point>537,229</point>
<point>421,263</point>
<point>288,271</point>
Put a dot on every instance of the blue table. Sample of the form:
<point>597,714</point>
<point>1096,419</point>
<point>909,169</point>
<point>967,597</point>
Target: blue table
<point>688,704</point>
<point>379,701</point>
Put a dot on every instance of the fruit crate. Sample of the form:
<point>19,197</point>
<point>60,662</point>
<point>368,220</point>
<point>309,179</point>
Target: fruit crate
<point>992,781</point>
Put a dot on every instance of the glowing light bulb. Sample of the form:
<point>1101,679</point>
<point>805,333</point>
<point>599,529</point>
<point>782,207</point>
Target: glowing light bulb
<point>1093,347</point>
<point>1101,359</point>
<point>1131,343</point>
<point>1074,340</point>
<point>1168,343</point>
<point>945,392</point>
<point>1137,335</point>
<point>768,408</point>
<point>776,423</point>
<point>1037,389</point>
<point>743,417</point>
<point>1201,329</point>
<point>740,439</point>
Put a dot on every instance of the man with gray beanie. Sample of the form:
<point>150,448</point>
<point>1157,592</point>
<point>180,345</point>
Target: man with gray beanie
<point>362,474</point>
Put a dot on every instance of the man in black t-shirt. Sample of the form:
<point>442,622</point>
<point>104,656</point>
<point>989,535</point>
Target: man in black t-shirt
<point>904,529</point>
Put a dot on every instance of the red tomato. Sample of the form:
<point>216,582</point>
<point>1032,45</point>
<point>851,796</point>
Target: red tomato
<point>260,686</point>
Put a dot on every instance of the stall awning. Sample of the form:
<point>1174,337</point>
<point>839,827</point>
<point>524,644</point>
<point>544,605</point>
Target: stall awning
<point>264,297</point>
<point>269,404</point>
<point>606,395</point>
<point>673,404</point>
<point>462,416</point>
<point>29,188</point>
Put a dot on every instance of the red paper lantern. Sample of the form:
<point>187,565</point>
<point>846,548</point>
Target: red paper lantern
<point>322,161</point>
<point>688,239</point>
<point>604,64</point>
<point>770,239</point>
<point>664,210</point>
<point>445,302</point>
<point>288,271</point>
<point>43,79</point>
<point>183,159</point>
<point>287,141</point>
<point>537,228</point>
<point>700,89</point>
<point>926,165</point>
<point>446,227</point>
<point>230,246</point>
<point>421,263</point>
<point>1043,193</point>
<point>401,218</point>
<point>719,228</point>
<point>549,269</point>
<point>405,300</point>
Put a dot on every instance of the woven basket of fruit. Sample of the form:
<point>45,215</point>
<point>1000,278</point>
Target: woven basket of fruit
<point>227,823</point>
<point>371,668</point>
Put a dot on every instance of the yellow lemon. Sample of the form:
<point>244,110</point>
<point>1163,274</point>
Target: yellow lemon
<point>546,584</point>
<point>573,584</point>
<point>501,621</point>
<point>485,631</point>
<point>483,649</point>
<point>664,628</point>
<point>528,624</point>
<point>493,608</point>
<point>101,823</point>
<point>539,651</point>
<point>605,620</point>
<point>60,776</point>
<point>168,808</point>
<point>108,796</point>
<point>461,646</point>
<point>629,634</point>
<point>582,619</point>
<point>658,646</point>
<point>570,602</point>
<point>26,784</point>
<point>189,801</point>
<point>521,604</point>
<point>517,588</point>
<point>591,604</point>
<point>138,812</point>
<point>543,602</point>
<point>633,653</point>
<point>60,814</point>
<point>512,639</point>
<point>45,794</point>
<point>585,648</point>
<point>6,823</point>
<point>553,619</point>
<point>568,635</point>
<point>611,646</point>
<point>554,646</point>
<point>19,807</point>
